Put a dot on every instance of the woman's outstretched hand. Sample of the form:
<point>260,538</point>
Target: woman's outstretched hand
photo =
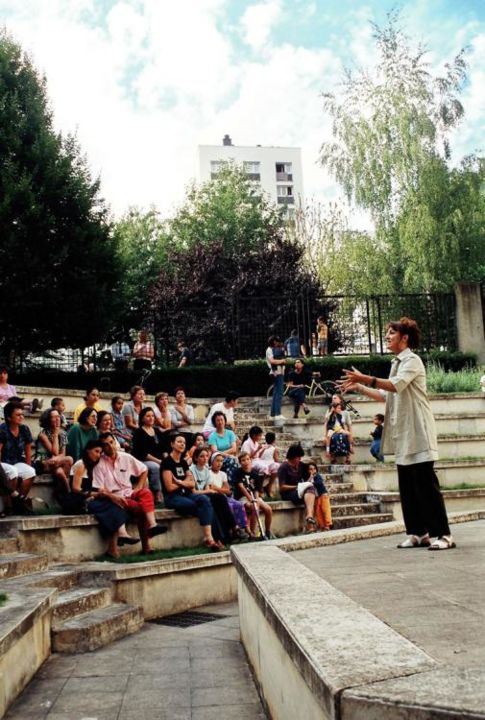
<point>350,379</point>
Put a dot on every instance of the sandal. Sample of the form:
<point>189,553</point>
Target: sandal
<point>413,541</point>
<point>445,542</point>
<point>212,545</point>
<point>311,524</point>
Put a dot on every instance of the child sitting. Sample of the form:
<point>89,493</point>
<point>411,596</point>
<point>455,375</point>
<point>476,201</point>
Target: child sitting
<point>338,434</point>
<point>122,435</point>
<point>323,513</point>
<point>376,434</point>
<point>247,486</point>
<point>218,482</point>
<point>253,446</point>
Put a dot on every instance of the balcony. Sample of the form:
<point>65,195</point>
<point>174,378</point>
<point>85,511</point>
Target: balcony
<point>286,200</point>
<point>254,176</point>
<point>284,177</point>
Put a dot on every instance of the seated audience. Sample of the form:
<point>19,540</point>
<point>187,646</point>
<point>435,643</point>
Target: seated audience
<point>58,404</point>
<point>227,407</point>
<point>198,442</point>
<point>294,487</point>
<point>247,487</point>
<point>9,392</point>
<point>254,446</point>
<point>16,458</point>
<point>122,435</point>
<point>218,481</point>
<point>224,441</point>
<point>104,422</point>
<point>223,524</point>
<point>110,515</point>
<point>182,414</point>
<point>113,476</point>
<point>163,417</point>
<point>133,408</point>
<point>91,400</point>
<point>148,446</point>
<point>270,452</point>
<point>50,451</point>
<point>178,491</point>
<point>322,510</point>
<point>81,432</point>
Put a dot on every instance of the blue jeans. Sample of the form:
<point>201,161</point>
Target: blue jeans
<point>195,505</point>
<point>298,397</point>
<point>277,395</point>
<point>153,476</point>
<point>375,450</point>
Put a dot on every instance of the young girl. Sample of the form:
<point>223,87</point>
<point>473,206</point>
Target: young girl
<point>270,452</point>
<point>323,513</point>
<point>224,524</point>
<point>254,447</point>
<point>218,481</point>
<point>338,434</point>
<point>119,429</point>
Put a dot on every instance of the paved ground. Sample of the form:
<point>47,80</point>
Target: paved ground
<point>435,599</point>
<point>160,673</point>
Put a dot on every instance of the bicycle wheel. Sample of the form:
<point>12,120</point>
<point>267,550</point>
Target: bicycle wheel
<point>325,390</point>
<point>269,391</point>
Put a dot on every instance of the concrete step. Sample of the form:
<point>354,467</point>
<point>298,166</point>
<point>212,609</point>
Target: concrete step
<point>8,545</point>
<point>354,509</point>
<point>339,488</point>
<point>348,498</point>
<point>18,564</point>
<point>96,628</point>
<point>61,577</point>
<point>347,521</point>
<point>78,601</point>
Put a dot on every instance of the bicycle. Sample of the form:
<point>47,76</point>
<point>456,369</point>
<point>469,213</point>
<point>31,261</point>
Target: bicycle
<point>319,389</point>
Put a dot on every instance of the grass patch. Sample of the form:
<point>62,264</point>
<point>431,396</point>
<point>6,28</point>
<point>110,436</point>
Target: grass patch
<point>462,381</point>
<point>3,599</point>
<point>464,486</point>
<point>157,555</point>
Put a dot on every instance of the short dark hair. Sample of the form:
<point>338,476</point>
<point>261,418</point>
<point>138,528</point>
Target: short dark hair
<point>232,395</point>
<point>85,413</point>
<point>142,414</point>
<point>294,451</point>
<point>197,451</point>
<point>177,389</point>
<point>101,415</point>
<point>45,418</point>
<point>90,390</point>
<point>270,437</point>
<point>217,414</point>
<point>3,369</point>
<point>406,326</point>
<point>115,399</point>
<point>134,390</point>
<point>106,434</point>
<point>10,407</point>
<point>380,417</point>
<point>255,430</point>
<point>55,401</point>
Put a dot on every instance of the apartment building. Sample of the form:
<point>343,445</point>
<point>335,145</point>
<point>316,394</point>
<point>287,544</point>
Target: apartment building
<point>276,169</point>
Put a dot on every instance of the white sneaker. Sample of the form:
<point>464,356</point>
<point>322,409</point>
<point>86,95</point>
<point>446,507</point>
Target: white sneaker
<point>279,417</point>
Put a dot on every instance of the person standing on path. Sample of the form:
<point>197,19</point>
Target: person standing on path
<point>275,360</point>
<point>409,433</point>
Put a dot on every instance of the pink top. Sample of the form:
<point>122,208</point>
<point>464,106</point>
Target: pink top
<point>115,478</point>
<point>144,350</point>
<point>251,447</point>
<point>6,392</point>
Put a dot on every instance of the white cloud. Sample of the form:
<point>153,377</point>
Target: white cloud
<point>258,21</point>
<point>148,82</point>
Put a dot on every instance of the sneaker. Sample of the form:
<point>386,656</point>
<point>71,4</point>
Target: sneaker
<point>279,417</point>
<point>270,536</point>
<point>157,530</point>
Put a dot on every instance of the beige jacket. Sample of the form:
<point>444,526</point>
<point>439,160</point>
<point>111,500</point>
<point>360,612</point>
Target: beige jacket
<point>409,428</point>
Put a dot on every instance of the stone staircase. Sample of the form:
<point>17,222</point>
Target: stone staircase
<point>84,617</point>
<point>349,508</point>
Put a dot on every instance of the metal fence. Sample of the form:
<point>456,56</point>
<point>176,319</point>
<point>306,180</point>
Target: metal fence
<point>356,326</point>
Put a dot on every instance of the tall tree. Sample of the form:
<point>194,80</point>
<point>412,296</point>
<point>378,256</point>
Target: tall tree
<point>390,151</point>
<point>58,258</point>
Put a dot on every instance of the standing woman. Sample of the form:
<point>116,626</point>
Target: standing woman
<point>81,432</point>
<point>50,450</point>
<point>148,447</point>
<point>409,433</point>
<point>143,352</point>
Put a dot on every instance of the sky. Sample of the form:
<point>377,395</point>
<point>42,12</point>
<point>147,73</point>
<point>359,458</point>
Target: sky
<point>143,82</point>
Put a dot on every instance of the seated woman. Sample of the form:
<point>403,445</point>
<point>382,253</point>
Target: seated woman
<point>178,487</point>
<point>253,445</point>
<point>133,408</point>
<point>9,393</point>
<point>104,422</point>
<point>83,499</point>
<point>338,433</point>
<point>16,458</point>
<point>219,483</point>
<point>224,441</point>
<point>81,432</point>
<point>323,511</point>
<point>298,381</point>
<point>91,400</point>
<point>182,415</point>
<point>224,524</point>
<point>50,451</point>
<point>162,412</point>
<point>148,446</point>
<point>294,487</point>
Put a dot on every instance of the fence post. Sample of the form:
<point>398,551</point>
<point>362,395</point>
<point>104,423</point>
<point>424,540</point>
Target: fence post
<point>469,319</point>
<point>379,323</point>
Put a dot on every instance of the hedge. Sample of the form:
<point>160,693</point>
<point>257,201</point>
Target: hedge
<point>249,378</point>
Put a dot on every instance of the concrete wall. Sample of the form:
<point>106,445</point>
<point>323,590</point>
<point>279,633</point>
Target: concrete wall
<point>469,319</point>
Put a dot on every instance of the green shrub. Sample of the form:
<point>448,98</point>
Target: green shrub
<point>249,377</point>
<point>440,381</point>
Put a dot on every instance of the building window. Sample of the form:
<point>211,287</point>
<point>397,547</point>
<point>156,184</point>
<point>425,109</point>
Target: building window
<point>216,166</point>
<point>284,172</point>
<point>285,194</point>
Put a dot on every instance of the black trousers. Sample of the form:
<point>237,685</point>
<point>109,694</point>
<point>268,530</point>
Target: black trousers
<point>423,507</point>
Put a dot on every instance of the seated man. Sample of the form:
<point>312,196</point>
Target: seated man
<point>113,475</point>
<point>293,486</point>
<point>247,484</point>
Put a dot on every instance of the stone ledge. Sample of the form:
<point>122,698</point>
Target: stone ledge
<point>23,608</point>
<point>456,695</point>
<point>351,647</point>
